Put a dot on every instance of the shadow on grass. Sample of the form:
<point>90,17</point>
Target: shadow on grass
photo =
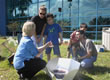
<point>99,70</point>
<point>84,77</point>
<point>96,70</point>
<point>81,76</point>
<point>41,76</point>
<point>2,58</point>
<point>46,77</point>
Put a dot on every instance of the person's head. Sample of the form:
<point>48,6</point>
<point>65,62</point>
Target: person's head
<point>80,34</point>
<point>83,26</point>
<point>28,29</point>
<point>50,18</point>
<point>42,11</point>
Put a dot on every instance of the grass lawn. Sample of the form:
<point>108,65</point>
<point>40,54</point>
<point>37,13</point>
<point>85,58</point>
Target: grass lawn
<point>101,71</point>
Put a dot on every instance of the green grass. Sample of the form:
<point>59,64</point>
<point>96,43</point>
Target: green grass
<point>101,71</point>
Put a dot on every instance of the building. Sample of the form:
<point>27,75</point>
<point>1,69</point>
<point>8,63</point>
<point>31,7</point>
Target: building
<point>69,14</point>
<point>3,17</point>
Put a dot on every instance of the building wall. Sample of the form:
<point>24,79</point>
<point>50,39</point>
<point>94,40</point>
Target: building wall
<point>95,13</point>
<point>3,17</point>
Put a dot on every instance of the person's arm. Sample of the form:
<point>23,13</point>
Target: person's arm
<point>60,34</point>
<point>89,50</point>
<point>35,35</point>
<point>61,38</point>
<point>45,37</point>
<point>42,32</point>
<point>33,19</point>
<point>88,55</point>
<point>45,34</point>
<point>41,49</point>
<point>70,42</point>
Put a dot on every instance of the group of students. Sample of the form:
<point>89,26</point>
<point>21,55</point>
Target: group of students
<point>81,48</point>
<point>28,57</point>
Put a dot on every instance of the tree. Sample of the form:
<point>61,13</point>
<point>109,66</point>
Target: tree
<point>100,21</point>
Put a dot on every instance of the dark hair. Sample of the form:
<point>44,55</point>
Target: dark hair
<point>82,32</point>
<point>83,26</point>
<point>50,15</point>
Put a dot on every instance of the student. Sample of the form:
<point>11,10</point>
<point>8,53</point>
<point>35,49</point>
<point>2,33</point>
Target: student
<point>40,22</point>
<point>74,43</point>
<point>83,26</point>
<point>26,60</point>
<point>53,33</point>
<point>87,52</point>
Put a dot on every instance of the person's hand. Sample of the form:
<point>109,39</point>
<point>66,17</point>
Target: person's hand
<point>38,39</point>
<point>68,48</point>
<point>61,42</point>
<point>50,44</point>
<point>79,59</point>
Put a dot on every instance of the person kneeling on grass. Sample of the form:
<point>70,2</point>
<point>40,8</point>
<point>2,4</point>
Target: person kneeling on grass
<point>87,51</point>
<point>73,46</point>
<point>26,60</point>
<point>74,43</point>
<point>53,33</point>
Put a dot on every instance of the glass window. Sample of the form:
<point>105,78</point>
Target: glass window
<point>71,16</point>
<point>104,4</point>
<point>74,5</point>
<point>87,20</point>
<point>54,5</point>
<point>85,5</point>
<point>33,9</point>
<point>42,0</point>
<point>103,12</point>
<point>103,20</point>
<point>34,1</point>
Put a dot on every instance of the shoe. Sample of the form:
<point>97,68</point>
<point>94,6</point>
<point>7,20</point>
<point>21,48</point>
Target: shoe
<point>22,78</point>
<point>26,79</point>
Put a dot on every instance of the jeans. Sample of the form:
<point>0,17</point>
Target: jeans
<point>31,67</point>
<point>88,62</point>
<point>85,63</point>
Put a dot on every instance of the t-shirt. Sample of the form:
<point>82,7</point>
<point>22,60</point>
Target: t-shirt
<point>39,23</point>
<point>25,51</point>
<point>89,46</point>
<point>52,32</point>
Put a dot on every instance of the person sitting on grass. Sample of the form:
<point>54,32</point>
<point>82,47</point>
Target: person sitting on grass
<point>53,33</point>
<point>27,59</point>
<point>74,43</point>
<point>87,51</point>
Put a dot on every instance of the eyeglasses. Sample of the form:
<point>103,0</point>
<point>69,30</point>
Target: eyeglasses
<point>82,26</point>
<point>42,14</point>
